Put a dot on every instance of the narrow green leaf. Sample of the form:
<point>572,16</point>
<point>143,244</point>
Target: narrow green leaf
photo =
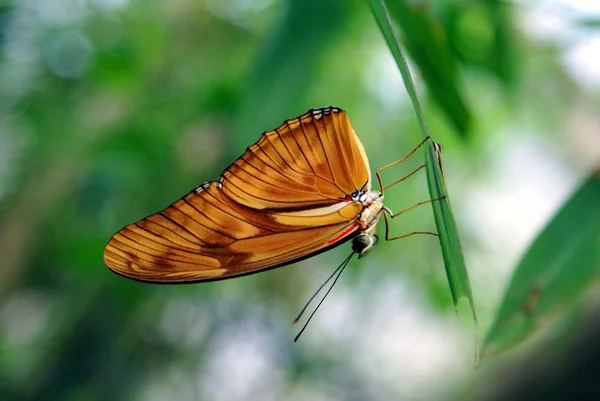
<point>560,264</point>
<point>456,269</point>
<point>425,42</point>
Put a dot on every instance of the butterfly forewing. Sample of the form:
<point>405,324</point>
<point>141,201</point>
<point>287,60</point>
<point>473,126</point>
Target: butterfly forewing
<point>303,163</point>
<point>285,199</point>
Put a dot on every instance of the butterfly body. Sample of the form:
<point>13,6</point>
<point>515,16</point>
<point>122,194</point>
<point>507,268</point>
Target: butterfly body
<point>300,190</point>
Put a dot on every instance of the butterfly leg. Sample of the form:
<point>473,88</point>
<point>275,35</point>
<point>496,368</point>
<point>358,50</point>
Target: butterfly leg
<point>422,166</point>
<point>379,170</point>
<point>408,209</point>
<point>438,150</point>
<point>392,215</point>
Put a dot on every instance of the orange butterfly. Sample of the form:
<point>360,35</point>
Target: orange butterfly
<point>300,190</point>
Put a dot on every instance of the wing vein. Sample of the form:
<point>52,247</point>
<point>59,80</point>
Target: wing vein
<point>177,224</point>
<point>288,151</point>
<point>327,157</point>
<point>153,259</point>
<point>232,215</point>
<point>203,214</point>
<point>124,234</point>
<point>270,158</point>
<point>175,206</point>
<point>166,228</point>
<point>300,147</point>
<point>287,189</point>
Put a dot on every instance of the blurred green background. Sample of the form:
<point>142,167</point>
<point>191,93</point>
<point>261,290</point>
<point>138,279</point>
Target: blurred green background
<point>112,109</point>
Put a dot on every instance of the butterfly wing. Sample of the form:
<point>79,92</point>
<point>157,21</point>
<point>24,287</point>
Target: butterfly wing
<point>313,160</point>
<point>284,200</point>
<point>206,236</point>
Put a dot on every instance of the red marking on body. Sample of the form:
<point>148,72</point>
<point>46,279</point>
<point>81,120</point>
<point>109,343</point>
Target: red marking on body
<point>348,198</point>
<point>344,233</point>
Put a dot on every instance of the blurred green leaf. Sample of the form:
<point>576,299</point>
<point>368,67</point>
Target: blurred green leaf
<point>425,41</point>
<point>456,269</point>
<point>483,35</point>
<point>589,22</point>
<point>287,64</point>
<point>501,57</point>
<point>560,264</point>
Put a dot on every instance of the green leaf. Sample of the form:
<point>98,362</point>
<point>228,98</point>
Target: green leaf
<point>482,35</point>
<point>287,63</point>
<point>456,269</point>
<point>560,264</point>
<point>425,41</point>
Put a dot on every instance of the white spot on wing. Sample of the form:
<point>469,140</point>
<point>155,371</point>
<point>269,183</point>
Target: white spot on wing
<point>318,113</point>
<point>202,187</point>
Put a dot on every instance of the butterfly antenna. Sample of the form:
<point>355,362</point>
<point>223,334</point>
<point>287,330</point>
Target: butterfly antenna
<point>345,262</point>
<point>339,272</point>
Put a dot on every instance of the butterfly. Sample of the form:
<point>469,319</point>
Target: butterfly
<point>302,189</point>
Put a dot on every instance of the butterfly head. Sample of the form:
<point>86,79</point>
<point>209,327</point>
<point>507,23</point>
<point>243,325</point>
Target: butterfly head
<point>362,243</point>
